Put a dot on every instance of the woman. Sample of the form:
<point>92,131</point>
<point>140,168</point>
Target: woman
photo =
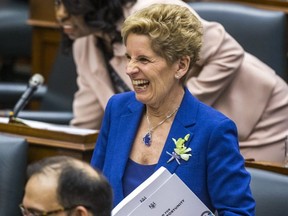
<point>163,43</point>
<point>225,77</point>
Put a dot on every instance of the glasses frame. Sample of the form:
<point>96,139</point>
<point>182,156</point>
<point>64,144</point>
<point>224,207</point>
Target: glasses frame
<point>57,2</point>
<point>26,212</point>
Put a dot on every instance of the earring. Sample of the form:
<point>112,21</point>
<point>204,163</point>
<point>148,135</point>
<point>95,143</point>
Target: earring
<point>177,76</point>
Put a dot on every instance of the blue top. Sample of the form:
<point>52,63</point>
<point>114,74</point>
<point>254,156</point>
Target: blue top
<point>216,170</point>
<point>134,175</point>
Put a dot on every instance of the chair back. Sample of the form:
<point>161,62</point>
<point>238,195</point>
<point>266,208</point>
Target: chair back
<point>56,97</point>
<point>270,191</point>
<point>13,163</point>
<point>15,38</point>
<point>56,103</point>
<point>260,32</point>
<point>15,33</point>
<point>61,85</point>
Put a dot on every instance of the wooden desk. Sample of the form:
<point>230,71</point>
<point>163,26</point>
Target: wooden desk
<point>44,143</point>
<point>46,36</point>
<point>273,167</point>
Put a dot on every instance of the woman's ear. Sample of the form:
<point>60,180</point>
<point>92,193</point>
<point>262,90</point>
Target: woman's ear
<point>81,211</point>
<point>183,67</point>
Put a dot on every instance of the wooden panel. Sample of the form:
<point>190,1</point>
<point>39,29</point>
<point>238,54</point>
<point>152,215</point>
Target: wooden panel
<point>273,167</point>
<point>36,153</point>
<point>46,36</point>
<point>45,143</point>
<point>42,12</point>
<point>45,45</point>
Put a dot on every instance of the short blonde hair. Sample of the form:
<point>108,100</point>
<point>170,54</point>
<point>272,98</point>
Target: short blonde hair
<point>174,31</point>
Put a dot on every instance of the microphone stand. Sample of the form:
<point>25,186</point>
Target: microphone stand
<point>34,82</point>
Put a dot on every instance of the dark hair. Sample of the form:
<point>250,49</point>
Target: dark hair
<point>99,14</point>
<point>76,186</point>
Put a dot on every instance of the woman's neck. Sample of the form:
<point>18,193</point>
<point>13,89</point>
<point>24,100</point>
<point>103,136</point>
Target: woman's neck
<point>164,109</point>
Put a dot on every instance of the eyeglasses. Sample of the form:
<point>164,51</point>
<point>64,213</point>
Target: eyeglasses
<point>57,2</point>
<point>30,212</point>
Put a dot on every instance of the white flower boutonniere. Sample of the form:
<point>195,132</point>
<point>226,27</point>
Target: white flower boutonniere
<point>181,151</point>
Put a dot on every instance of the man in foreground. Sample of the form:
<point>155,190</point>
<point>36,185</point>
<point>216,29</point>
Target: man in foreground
<point>65,186</point>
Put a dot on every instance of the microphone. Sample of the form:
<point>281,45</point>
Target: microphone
<point>34,82</point>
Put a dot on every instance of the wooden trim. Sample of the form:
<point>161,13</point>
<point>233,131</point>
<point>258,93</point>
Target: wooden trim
<point>41,23</point>
<point>272,167</point>
<point>51,138</point>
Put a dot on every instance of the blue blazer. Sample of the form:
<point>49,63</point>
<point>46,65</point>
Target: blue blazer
<point>215,172</point>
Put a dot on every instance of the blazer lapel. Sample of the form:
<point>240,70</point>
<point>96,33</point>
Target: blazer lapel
<point>124,138</point>
<point>183,124</point>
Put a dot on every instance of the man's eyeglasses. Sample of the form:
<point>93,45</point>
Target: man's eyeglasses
<point>30,212</point>
<point>57,2</point>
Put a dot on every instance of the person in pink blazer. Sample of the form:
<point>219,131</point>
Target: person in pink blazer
<point>226,77</point>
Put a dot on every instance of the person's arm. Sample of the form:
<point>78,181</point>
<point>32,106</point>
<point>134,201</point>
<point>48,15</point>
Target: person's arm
<point>220,58</point>
<point>87,109</point>
<point>228,181</point>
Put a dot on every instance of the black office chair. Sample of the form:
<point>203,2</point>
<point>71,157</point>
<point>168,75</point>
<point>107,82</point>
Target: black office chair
<point>55,98</point>
<point>260,32</point>
<point>13,164</point>
<point>270,191</point>
<point>15,36</point>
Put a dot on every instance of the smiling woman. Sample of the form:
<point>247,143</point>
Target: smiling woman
<point>190,139</point>
<point>73,25</point>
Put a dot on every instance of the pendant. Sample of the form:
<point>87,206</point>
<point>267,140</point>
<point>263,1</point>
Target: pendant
<point>147,139</point>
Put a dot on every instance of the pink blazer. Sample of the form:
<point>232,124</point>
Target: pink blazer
<point>226,78</point>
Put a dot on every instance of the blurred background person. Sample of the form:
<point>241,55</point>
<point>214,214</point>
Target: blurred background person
<point>167,125</point>
<point>65,186</point>
<point>225,77</point>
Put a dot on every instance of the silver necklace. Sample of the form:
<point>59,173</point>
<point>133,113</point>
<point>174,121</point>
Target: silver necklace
<point>147,138</point>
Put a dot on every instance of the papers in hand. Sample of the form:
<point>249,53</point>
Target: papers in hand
<point>162,194</point>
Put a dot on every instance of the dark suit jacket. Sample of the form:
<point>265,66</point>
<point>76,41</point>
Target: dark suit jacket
<point>215,172</point>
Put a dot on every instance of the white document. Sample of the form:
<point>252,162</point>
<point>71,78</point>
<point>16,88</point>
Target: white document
<point>164,197</point>
<point>141,193</point>
<point>52,127</point>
